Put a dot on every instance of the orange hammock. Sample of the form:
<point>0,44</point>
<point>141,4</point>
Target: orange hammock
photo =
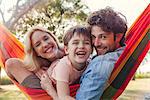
<point>138,44</point>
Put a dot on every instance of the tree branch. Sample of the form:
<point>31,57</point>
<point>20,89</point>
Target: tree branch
<point>20,11</point>
<point>2,15</point>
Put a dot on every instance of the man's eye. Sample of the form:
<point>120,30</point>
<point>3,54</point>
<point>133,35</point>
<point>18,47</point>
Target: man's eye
<point>93,37</point>
<point>103,37</point>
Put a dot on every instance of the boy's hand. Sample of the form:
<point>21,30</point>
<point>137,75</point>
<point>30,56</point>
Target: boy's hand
<point>39,73</point>
<point>46,83</point>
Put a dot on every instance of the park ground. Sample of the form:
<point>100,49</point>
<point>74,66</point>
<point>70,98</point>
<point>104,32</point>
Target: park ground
<point>138,89</point>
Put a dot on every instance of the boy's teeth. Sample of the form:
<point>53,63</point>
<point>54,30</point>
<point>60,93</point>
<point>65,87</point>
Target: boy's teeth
<point>81,53</point>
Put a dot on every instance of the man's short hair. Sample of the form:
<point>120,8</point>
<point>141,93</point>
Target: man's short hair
<point>108,20</point>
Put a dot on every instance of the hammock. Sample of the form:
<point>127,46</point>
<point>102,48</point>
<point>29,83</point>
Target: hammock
<point>138,44</point>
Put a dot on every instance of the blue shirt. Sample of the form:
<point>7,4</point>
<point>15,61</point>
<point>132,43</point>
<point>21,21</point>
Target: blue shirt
<point>95,77</point>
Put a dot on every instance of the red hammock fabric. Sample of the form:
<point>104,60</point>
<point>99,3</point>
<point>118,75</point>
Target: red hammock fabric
<point>138,43</point>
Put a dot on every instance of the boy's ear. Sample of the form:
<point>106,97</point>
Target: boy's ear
<point>66,49</point>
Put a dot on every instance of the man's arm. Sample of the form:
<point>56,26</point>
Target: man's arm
<point>94,79</point>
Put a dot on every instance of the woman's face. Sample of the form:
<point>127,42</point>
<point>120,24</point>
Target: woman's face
<point>44,45</point>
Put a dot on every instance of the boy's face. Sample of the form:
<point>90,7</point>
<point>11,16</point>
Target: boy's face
<point>44,45</point>
<point>103,41</point>
<point>79,48</point>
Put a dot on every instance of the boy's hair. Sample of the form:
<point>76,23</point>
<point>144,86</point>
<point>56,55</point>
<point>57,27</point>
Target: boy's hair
<point>109,21</point>
<point>78,30</point>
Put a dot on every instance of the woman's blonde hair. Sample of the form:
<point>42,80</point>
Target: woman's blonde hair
<point>32,60</point>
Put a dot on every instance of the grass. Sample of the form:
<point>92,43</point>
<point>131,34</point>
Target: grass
<point>12,95</point>
<point>5,81</point>
<point>142,75</point>
<point>11,92</point>
<point>8,91</point>
<point>136,90</point>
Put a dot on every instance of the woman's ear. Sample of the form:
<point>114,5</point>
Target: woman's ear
<point>66,49</point>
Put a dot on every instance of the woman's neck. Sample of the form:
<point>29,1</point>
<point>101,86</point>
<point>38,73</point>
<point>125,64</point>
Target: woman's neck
<point>53,59</point>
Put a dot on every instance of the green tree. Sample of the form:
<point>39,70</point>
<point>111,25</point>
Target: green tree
<point>56,16</point>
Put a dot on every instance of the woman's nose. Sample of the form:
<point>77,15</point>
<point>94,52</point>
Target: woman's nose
<point>45,44</point>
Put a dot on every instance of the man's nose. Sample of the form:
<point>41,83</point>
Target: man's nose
<point>97,42</point>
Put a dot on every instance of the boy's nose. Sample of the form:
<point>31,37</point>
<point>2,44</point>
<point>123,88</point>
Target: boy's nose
<point>81,45</point>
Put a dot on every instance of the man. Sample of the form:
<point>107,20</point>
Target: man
<point>108,29</point>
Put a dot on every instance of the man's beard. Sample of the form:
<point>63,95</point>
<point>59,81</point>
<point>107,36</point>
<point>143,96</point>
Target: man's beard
<point>103,51</point>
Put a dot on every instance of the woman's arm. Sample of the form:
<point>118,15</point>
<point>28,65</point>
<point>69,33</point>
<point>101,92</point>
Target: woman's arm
<point>46,84</point>
<point>63,90</point>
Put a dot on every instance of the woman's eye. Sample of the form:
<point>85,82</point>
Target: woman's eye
<point>46,38</point>
<point>37,44</point>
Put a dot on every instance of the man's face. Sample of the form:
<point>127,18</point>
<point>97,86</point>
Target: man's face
<point>103,41</point>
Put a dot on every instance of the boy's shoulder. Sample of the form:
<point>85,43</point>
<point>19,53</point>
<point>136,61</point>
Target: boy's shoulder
<point>64,61</point>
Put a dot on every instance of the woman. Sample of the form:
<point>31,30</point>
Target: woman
<point>41,48</point>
